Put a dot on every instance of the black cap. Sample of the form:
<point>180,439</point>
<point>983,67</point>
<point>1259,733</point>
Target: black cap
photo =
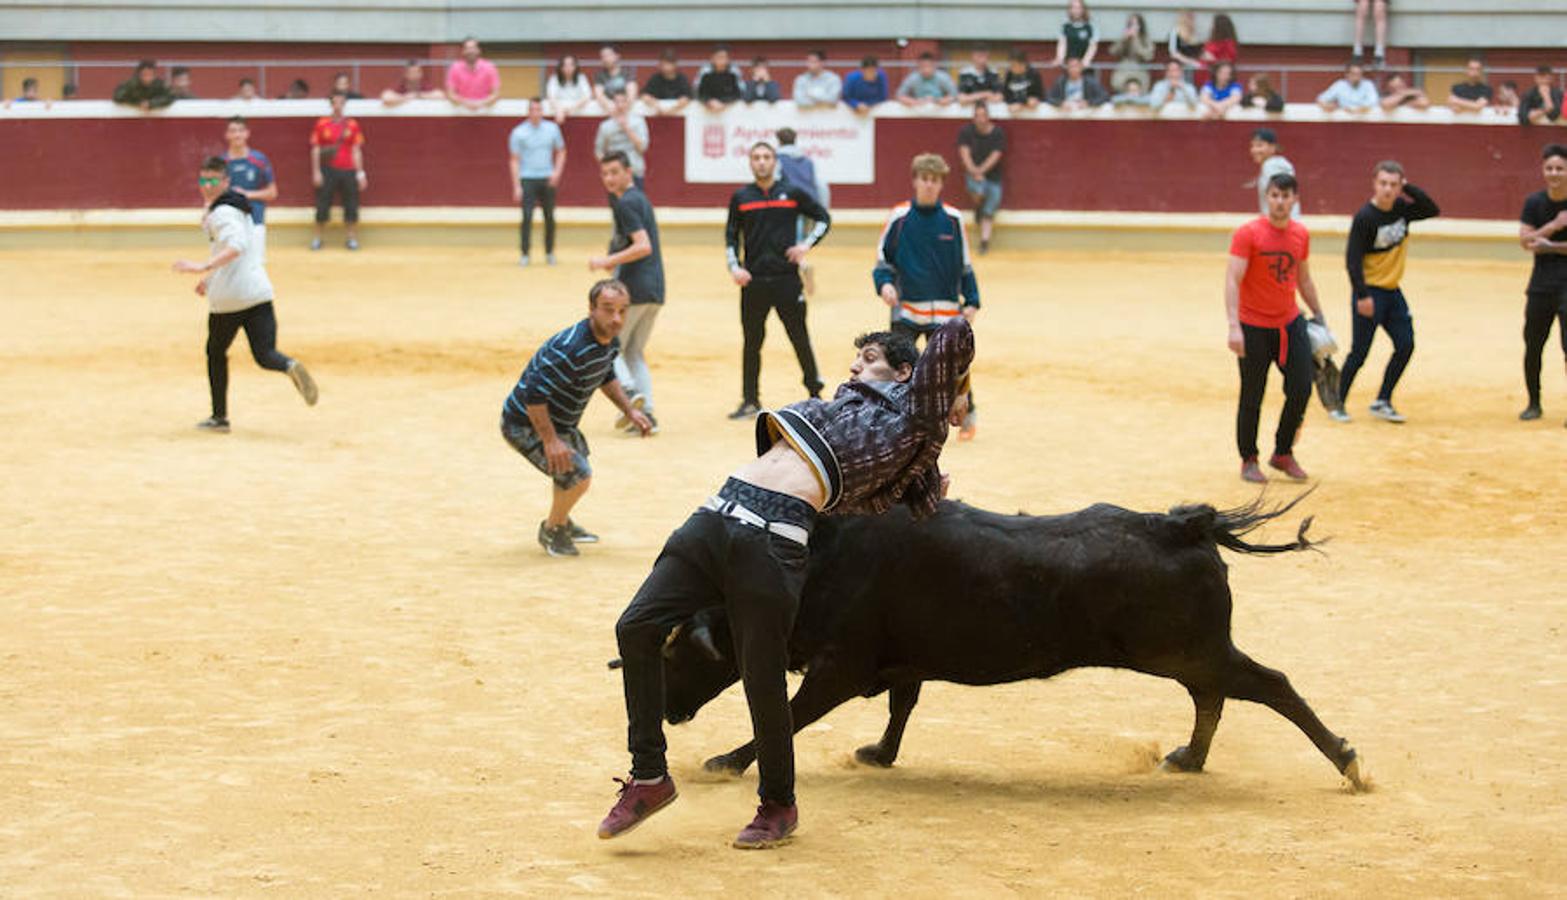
<point>1265,134</point>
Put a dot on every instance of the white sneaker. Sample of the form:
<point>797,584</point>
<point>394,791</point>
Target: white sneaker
<point>1339,415</point>
<point>1385,411</point>
<point>638,403</point>
<point>523,261</point>
<point>303,382</point>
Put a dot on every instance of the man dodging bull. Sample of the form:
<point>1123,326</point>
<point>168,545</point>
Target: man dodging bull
<point>874,445</point>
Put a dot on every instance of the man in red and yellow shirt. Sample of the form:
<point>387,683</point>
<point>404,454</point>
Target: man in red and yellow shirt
<point>1267,267</point>
<point>337,168</point>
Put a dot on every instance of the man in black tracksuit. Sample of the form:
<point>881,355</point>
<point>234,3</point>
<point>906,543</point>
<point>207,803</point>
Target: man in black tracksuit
<point>762,216</point>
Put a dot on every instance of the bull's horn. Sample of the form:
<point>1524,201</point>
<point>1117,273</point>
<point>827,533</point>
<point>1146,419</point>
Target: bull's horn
<point>616,663</point>
<point>669,640</point>
<point>703,637</point>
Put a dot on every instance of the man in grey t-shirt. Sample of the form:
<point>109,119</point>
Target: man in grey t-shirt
<point>1265,153</point>
<point>624,132</point>
<point>635,258</point>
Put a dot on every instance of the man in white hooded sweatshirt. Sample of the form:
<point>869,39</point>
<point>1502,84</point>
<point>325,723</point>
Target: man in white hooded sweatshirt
<point>238,293</point>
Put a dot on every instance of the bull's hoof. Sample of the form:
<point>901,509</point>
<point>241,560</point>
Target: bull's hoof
<point>1359,781</point>
<point>1181,759</point>
<point>726,764</point>
<point>873,755</point>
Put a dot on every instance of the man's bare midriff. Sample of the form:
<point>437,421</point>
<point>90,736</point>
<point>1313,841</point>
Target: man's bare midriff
<point>784,470</point>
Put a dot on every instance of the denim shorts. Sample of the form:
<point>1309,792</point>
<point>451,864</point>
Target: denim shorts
<point>989,193</point>
<point>525,440</point>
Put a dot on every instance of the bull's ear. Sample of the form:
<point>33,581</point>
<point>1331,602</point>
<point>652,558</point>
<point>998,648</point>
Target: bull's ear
<point>702,636</point>
<point>669,642</point>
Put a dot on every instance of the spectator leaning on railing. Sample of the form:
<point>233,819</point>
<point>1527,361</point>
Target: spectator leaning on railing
<point>1261,95</point>
<point>144,89</point>
<point>179,83</point>
<point>1507,99</point>
<point>1472,94</point>
<point>1397,92</point>
<point>472,82</point>
<point>247,90</point>
<point>978,82</point>
<point>298,89</point>
<point>1173,88</point>
<point>927,84</point>
<point>613,78</point>
<point>816,86</point>
<point>29,94</point>
<point>411,86</point>
<point>667,84</point>
<point>1133,50</point>
<point>1021,86</point>
<point>718,84</point>
<point>866,86</point>
<point>1075,90</point>
<point>567,88</point>
<point>1079,38</point>
<point>343,83</point>
<point>1132,96</point>
<point>1222,93</point>
<point>1352,93</point>
<point>760,87</point>
<point>1543,104</point>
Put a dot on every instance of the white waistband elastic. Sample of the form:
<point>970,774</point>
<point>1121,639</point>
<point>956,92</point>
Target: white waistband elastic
<point>745,516</point>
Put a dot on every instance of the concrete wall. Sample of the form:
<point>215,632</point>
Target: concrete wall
<point>1440,23</point>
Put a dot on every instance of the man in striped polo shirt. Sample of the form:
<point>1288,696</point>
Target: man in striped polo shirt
<point>923,265</point>
<point>540,417</point>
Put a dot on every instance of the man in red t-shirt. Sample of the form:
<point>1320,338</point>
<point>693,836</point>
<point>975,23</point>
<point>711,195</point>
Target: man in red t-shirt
<point>337,168</point>
<point>1267,266</point>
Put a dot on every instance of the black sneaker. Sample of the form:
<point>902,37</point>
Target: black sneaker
<point>214,423</point>
<point>579,534</point>
<point>1530,413</point>
<point>746,410</point>
<point>556,541</point>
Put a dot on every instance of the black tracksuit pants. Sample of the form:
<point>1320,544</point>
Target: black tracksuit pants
<point>537,192</point>
<point>1543,308</point>
<point>1290,348</point>
<point>260,324</point>
<point>764,294</point>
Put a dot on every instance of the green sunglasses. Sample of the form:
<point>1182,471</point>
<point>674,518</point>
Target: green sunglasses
<point>204,181</point>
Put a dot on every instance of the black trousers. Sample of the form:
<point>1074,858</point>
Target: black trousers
<point>1290,349</point>
<point>343,185</point>
<point>903,328</point>
<point>260,324</point>
<point>786,295</point>
<point>756,576</point>
<point>1539,312</point>
<point>1390,312</point>
<point>538,192</point>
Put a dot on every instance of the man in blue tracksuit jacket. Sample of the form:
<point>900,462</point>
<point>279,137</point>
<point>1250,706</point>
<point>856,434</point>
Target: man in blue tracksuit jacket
<point>923,265</point>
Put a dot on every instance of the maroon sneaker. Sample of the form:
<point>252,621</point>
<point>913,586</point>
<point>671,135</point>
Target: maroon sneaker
<point>1286,463</point>
<point>773,825</point>
<point>636,803</point>
<point>1251,472</point>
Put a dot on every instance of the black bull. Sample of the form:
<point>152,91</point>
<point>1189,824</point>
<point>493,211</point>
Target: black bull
<point>974,597</point>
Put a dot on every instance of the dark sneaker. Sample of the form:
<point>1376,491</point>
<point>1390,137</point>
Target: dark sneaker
<point>214,423</point>
<point>1529,414</point>
<point>579,534</point>
<point>636,803</point>
<point>638,403</point>
<point>745,410</point>
<point>1340,416</point>
<point>556,541</point>
<point>303,382</point>
<point>773,825</point>
<point>1384,410</point>
<point>351,244</point>
<point>1252,472</point>
<point>1286,463</point>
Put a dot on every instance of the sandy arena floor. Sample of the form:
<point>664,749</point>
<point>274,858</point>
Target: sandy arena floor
<point>323,655</point>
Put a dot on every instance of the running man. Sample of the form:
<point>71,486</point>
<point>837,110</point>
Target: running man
<point>540,416</point>
<point>1374,255</point>
<point>238,292</point>
<point>638,262</point>
<point>923,265</point>
<point>1543,232</point>
<point>762,217</point>
<point>1267,267</point>
<point>250,176</point>
<point>875,444</point>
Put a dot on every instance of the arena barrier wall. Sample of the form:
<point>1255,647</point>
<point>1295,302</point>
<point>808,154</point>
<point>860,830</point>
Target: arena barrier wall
<point>430,157</point>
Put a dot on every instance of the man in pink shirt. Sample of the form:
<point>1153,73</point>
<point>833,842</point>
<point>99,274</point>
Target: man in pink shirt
<point>471,81</point>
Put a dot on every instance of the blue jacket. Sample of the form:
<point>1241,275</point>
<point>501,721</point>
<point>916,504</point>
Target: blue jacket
<point>859,92</point>
<point>924,254</point>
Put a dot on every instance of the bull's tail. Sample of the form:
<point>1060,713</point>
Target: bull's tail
<point>1227,527</point>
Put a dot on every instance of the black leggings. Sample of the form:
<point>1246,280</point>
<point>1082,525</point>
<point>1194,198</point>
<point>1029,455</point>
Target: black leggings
<point>342,183</point>
<point>1543,308</point>
<point>1390,312</point>
<point>756,576</point>
<point>260,324</point>
<point>537,192</point>
<point>1263,349</point>
<point>787,296</point>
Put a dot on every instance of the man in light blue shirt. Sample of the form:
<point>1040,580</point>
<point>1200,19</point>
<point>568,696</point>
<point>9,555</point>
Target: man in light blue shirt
<point>1352,93</point>
<point>538,157</point>
<point>816,86</point>
<point>927,84</point>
